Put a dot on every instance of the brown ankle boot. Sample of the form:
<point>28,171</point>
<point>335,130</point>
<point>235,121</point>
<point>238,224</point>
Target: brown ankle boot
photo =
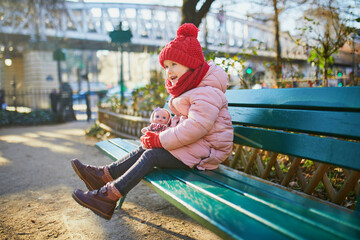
<point>94,177</point>
<point>102,202</point>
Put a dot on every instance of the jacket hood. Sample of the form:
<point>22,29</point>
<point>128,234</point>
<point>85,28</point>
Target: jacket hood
<point>215,77</point>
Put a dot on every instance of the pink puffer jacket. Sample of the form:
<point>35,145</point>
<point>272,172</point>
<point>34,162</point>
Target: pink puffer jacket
<point>201,134</point>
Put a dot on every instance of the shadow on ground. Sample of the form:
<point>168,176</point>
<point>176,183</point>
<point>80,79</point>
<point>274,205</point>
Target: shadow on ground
<point>37,181</point>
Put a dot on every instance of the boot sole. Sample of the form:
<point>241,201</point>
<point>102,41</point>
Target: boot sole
<point>80,176</point>
<point>96,211</point>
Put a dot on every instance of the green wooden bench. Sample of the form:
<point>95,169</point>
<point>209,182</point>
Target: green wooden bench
<point>321,124</point>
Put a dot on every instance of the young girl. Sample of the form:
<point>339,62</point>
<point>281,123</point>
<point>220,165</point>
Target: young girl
<point>160,119</point>
<point>200,135</point>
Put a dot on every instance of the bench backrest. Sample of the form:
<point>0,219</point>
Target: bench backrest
<point>321,124</point>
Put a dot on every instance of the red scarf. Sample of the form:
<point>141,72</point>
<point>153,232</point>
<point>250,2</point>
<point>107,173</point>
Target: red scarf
<point>189,80</point>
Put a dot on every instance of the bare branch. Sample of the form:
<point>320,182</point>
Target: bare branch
<point>205,8</point>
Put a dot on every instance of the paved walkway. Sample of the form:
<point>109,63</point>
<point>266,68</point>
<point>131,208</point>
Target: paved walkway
<point>37,181</point>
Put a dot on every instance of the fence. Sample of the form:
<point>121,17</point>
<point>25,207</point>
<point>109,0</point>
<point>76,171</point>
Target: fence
<point>323,181</point>
<point>32,98</point>
<point>125,124</point>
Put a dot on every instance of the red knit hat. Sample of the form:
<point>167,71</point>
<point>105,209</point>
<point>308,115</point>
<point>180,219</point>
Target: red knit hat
<point>185,48</point>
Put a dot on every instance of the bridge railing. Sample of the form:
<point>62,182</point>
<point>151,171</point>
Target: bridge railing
<point>151,25</point>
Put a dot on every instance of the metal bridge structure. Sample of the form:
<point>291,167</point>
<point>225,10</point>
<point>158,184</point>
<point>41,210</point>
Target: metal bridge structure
<point>87,26</point>
<point>29,34</point>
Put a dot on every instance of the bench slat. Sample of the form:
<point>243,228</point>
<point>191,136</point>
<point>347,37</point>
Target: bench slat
<point>346,99</point>
<point>327,150</point>
<point>282,219</point>
<point>127,145</point>
<point>330,123</point>
<point>221,219</point>
<point>253,183</point>
<point>310,211</point>
<point>111,150</point>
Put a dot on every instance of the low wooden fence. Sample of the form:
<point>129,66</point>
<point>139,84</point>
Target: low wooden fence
<point>325,182</point>
<point>125,124</point>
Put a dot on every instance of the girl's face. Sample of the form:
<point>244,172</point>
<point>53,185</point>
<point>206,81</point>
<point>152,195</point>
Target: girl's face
<point>174,70</point>
<point>161,117</point>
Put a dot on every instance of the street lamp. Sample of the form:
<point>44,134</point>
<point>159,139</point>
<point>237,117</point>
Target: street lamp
<point>120,36</point>
<point>8,62</point>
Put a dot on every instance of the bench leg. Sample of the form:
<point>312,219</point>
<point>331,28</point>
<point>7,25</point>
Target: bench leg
<point>121,201</point>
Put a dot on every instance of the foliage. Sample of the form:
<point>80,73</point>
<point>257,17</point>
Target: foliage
<point>36,117</point>
<point>324,32</point>
<point>308,164</point>
<point>95,131</point>
<point>237,63</point>
<point>146,98</point>
<point>149,97</point>
<point>115,103</point>
<point>319,60</point>
<point>277,7</point>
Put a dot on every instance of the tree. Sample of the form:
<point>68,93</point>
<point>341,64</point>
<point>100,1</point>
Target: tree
<point>324,32</point>
<point>277,38</point>
<point>278,7</point>
<point>190,14</point>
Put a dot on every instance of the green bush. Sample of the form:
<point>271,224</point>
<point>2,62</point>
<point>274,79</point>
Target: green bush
<point>146,98</point>
<point>36,117</point>
<point>5,118</point>
<point>149,97</point>
<point>95,131</point>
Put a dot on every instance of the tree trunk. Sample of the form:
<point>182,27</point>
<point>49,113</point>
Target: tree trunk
<point>188,12</point>
<point>191,15</point>
<point>325,77</point>
<point>278,68</point>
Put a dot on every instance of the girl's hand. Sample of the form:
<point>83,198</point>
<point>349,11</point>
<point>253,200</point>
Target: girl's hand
<point>151,140</point>
<point>144,130</point>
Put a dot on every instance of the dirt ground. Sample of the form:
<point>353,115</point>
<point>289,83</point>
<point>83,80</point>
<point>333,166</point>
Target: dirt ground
<point>36,182</point>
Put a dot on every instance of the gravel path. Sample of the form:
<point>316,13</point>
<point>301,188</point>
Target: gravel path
<point>37,181</point>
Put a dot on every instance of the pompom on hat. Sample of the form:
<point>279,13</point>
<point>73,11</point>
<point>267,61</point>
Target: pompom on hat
<point>185,48</point>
